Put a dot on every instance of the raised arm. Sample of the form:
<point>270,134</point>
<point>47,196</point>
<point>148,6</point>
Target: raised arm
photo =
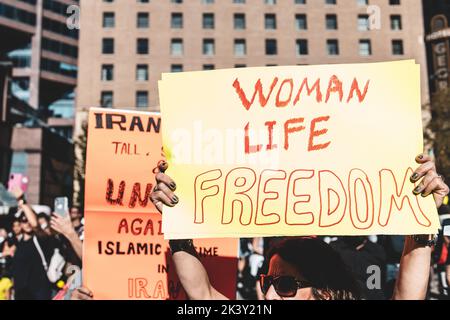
<point>190,270</point>
<point>412,281</point>
<point>192,273</point>
<point>26,208</point>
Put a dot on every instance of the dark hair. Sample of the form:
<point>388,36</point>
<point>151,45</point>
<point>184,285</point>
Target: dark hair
<point>23,217</point>
<point>320,265</point>
<point>43,215</point>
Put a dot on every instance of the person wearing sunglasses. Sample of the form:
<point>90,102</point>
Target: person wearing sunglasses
<point>308,268</point>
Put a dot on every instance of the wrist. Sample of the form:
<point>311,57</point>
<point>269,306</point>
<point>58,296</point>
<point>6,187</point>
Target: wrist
<point>185,245</point>
<point>424,240</point>
<point>21,197</point>
<point>71,234</point>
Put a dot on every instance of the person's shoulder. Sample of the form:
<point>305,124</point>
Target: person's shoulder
<point>45,239</point>
<point>41,234</point>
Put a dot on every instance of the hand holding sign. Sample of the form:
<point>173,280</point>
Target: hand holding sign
<point>163,193</point>
<point>432,182</point>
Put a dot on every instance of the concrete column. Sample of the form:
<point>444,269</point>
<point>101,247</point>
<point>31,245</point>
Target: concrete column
<point>36,57</point>
<point>5,77</point>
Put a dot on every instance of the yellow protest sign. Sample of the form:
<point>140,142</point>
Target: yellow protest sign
<point>125,255</point>
<point>298,150</point>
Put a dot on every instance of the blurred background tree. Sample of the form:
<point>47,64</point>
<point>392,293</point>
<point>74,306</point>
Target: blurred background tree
<point>440,126</point>
<point>80,165</point>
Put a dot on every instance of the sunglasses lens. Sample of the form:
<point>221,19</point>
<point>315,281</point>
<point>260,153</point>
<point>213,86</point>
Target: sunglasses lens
<point>265,282</point>
<point>285,286</point>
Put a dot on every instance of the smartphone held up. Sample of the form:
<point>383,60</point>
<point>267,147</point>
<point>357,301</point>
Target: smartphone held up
<point>62,206</point>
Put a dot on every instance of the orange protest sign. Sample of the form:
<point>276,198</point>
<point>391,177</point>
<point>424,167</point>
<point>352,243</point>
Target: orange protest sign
<point>120,143</point>
<point>125,255</point>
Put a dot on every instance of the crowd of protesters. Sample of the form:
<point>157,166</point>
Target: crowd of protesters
<point>39,253</point>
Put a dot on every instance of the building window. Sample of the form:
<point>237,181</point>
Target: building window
<point>271,47</point>
<point>363,2</point>
<point>240,48</point>
<point>143,20</point>
<point>208,67</point>
<point>20,58</point>
<point>239,21</point>
<point>176,68</point>
<point>330,1</point>
<point>108,20</point>
<point>300,1</point>
<point>363,22</point>
<point>394,2</point>
<point>365,47</point>
<point>176,21</point>
<point>142,72</point>
<point>106,99</point>
<point>19,162</point>
<point>20,87</point>
<point>397,47</point>
<point>332,47</point>
<point>301,22</point>
<point>141,99</point>
<point>142,46</point>
<point>208,21</point>
<point>331,22</point>
<point>176,47</point>
<point>208,47</point>
<point>107,72</point>
<point>270,21</point>
<point>396,22</point>
<point>107,45</point>
<point>57,47</point>
<point>302,47</point>
<point>65,69</point>
<point>270,2</point>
